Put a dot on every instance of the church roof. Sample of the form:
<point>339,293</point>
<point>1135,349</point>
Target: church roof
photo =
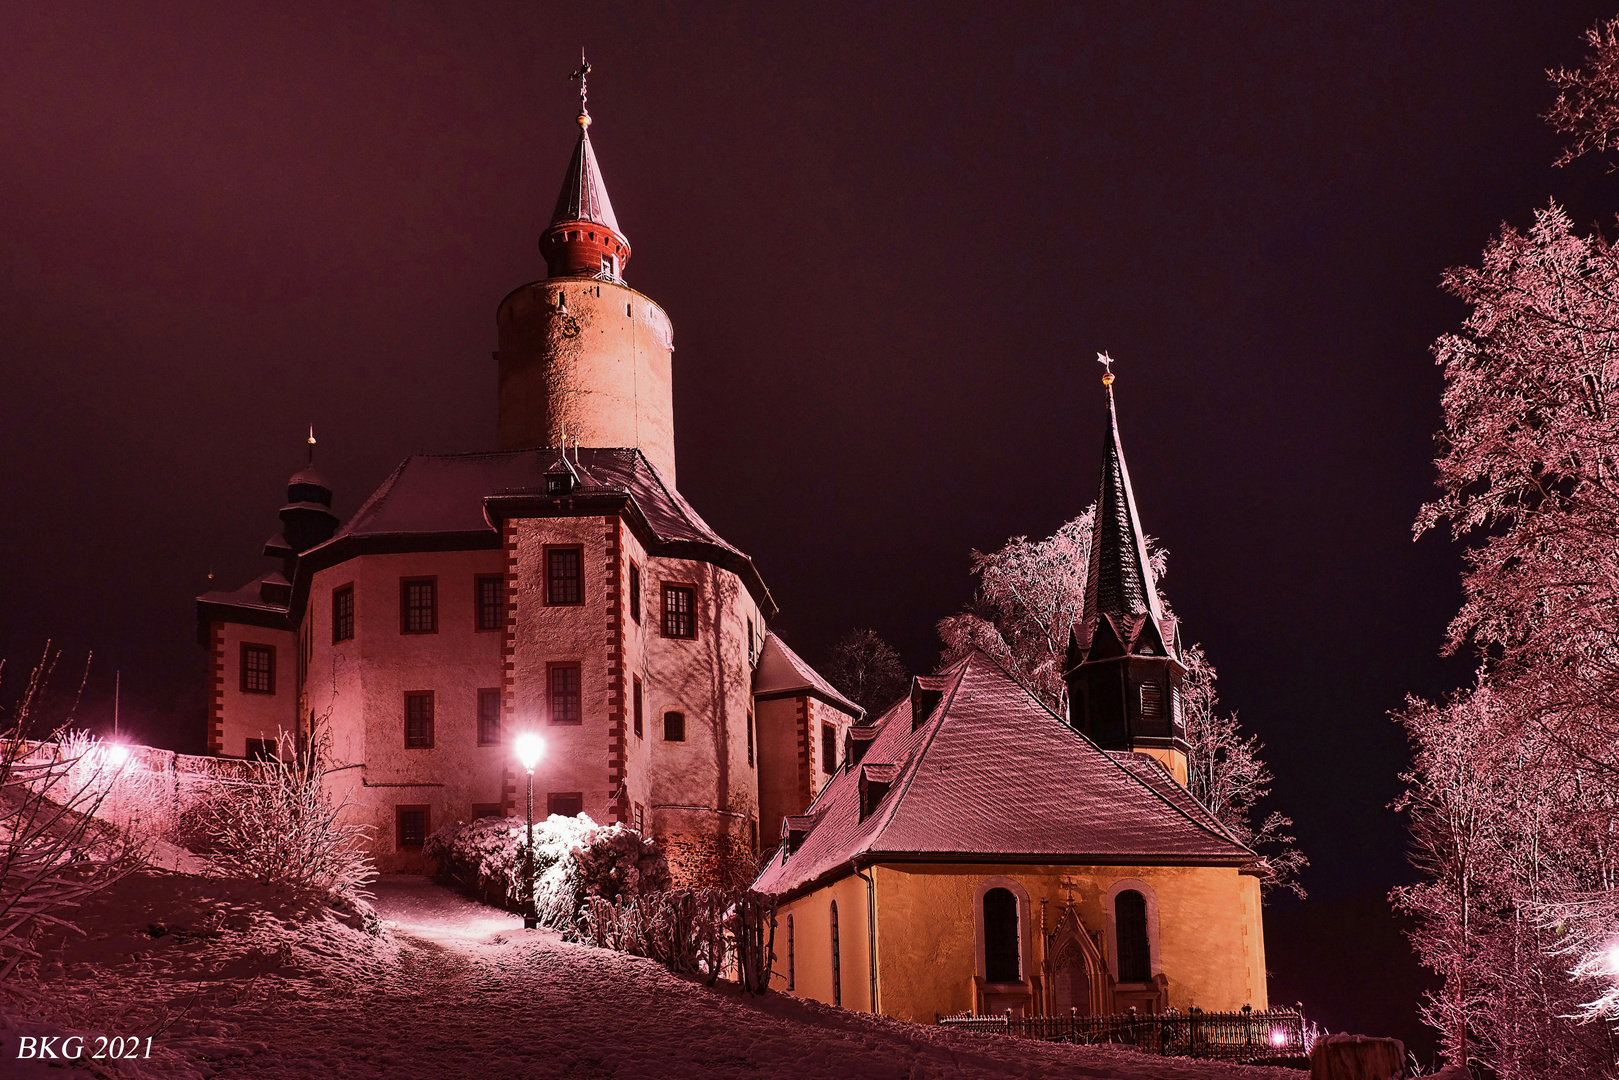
<point>783,673</point>
<point>992,775</point>
<point>584,195</point>
<point>1119,585</point>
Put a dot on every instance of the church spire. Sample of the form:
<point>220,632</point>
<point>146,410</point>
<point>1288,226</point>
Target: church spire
<point>583,239</point>
<point>1125,666</point>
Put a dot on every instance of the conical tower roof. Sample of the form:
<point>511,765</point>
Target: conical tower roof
<point>1119,583</point>
<point>584,195</point>
<point>583,239</point>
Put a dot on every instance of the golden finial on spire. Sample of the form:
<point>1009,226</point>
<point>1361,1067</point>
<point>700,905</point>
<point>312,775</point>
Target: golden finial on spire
<point>1107,364</point>
<point>311,444</point>
<point>580,76</point>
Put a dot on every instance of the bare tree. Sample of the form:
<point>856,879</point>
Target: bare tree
<point>1587,104</point>
<point>868,670</point>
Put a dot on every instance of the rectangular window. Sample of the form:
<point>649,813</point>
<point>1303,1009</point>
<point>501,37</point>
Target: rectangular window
<point>638,706</point>
<point>410,827</point>
<point>674,727</point>
<point>829,749</point>
<point>489,594</point>
<point>342,613</point>
<point>488,717</point>
<point>635,591</point>
<point>565,694</point>
<point>261,750</point>
<point>418,605</point>
<point>563,580</point>
<point>750,641</point>
<point>566,803</point>
<point>258,669</point>
<point>487,809</point>
<point>1152,701</point>
<point>750,737</point>
<point>419,720</point>
<point>679,611</point>
<point>640,818</point>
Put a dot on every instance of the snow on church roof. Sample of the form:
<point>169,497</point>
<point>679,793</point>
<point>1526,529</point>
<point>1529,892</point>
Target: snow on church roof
<point>992,773</point>
<point>782,673</point>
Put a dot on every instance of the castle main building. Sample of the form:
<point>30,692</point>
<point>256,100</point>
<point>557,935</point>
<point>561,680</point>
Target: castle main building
<point>559,583</point>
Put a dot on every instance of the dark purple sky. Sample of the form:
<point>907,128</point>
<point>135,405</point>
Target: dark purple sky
<point>891,241</point>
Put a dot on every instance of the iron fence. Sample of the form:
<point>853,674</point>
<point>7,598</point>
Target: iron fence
<point>1243,1036</point>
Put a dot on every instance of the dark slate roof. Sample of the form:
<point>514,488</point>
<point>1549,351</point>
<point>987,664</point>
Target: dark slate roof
<point>584,196</point>
<point>1119,585</point>
<point>1152,772</point>
<point>782,673</point>
<point>992,775</point>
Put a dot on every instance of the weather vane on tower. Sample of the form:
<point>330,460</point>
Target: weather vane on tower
<point>1107,365</point>
<point>580,76</point>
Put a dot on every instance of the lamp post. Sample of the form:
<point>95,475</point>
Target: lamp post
<point>529,749</point>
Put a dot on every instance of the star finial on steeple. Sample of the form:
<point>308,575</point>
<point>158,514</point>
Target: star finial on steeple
<point>580,76</point>
<point>1107,364</point>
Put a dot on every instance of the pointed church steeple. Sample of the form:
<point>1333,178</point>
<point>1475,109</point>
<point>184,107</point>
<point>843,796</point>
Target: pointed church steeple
<point>1124,682</point>
<point>583,239</point>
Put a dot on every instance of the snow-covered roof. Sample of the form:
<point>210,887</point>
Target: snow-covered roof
<point>989,773</point>
<point>783,673</point>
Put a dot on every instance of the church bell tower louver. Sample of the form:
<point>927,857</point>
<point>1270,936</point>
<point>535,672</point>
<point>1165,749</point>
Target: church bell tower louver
<point>1126,667</point>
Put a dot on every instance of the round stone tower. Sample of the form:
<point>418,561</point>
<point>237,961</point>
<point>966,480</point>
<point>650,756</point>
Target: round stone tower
<point>581,353</point>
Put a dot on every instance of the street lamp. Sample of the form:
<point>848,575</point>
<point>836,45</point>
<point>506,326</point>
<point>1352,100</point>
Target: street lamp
<point>529,749</point>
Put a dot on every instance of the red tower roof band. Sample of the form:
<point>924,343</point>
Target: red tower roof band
<point>583,239</point>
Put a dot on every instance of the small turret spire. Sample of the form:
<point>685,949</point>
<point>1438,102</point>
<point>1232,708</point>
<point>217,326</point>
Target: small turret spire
<point>583,239</point>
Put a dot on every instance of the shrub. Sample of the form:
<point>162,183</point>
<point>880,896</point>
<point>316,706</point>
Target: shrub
<point>575,859</point>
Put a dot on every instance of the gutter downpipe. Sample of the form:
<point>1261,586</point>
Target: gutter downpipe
<point>871,930</point>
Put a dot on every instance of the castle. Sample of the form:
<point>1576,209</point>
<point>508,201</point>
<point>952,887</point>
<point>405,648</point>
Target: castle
<point>559,583</point>
<point>967,850</point>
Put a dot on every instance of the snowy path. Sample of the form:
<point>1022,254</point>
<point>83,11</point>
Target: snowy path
<point>246,983</point>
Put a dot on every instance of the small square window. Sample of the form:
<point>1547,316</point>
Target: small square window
<point>342,613</point>
<point>419,720</point>
<point>565,705</point>
<point>559,483</point>
<point>565,803</point>
<point>635,592</point>
<point>261,750</point>
<point>679,611</point>
<point>418,606</point>
<point>563,584</point>
<point>638,706</point>
<point>410,825</point>
<point>488,717</point>
<point>490,597</point>
<point>258,669</point>
<point>674,727</point>
<point>829,749</point>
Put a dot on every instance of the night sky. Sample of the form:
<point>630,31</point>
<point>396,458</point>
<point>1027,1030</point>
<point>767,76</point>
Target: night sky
<point>891,242</point>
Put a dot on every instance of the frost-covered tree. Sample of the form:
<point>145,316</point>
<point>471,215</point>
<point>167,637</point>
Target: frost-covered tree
<point>868,670</point>
<point>1030,595</point>
<point>1514,785</point>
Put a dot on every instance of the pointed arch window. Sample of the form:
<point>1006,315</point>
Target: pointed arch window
<point>1135,950</point>
<point>837,964</point>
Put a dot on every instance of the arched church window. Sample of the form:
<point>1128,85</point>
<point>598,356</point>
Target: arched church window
<point>792,957</point>
<point>837,965</point>
<point>1000,937</point>
<point>1152,701</point>
<point>1135,953</point>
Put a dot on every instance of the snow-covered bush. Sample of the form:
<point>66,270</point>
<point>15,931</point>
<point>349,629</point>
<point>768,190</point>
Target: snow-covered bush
<point>575,859</point>
<point>282,828</point>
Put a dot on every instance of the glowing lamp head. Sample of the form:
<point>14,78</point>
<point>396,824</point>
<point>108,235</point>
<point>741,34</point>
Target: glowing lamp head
<point>117,753</point>
<point>530,748</point>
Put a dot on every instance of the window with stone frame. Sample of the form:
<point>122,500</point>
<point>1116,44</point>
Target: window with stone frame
<point>419,720</point>
<point>418,605</point>
<point>837,960</point>
<point>1001,937</point>
<point>565,703</point>
<point>410,827</point>
<point>488,717</point>
<point>829,748</point>
<point>489,598</point>
<point>564,575</point>
<point>674,727</point>
<point>1134,945</point>
<point>258,668</point>
<point>679,611</point>
<point>635,592</point>
<point>565,803</point>
<point>639,705</point>
<point>342,613</point>
<point>792,956</point>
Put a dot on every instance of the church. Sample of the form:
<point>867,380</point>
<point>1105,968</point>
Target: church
<point>965,851</point>
<point>558,583</point>
<point>980,854</point>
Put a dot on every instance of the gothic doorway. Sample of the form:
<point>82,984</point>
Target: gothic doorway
<point>1078,979</point>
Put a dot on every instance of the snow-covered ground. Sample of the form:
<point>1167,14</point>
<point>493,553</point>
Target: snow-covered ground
<point>245,981</point>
